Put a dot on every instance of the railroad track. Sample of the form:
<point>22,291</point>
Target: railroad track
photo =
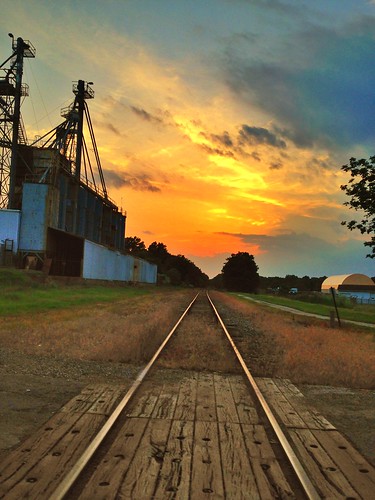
<point>202,436</point>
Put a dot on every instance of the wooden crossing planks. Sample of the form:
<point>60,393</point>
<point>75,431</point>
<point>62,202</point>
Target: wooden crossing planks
<point>239,478</point>
<point>57,445</point>
<point>288,404</point>
<point>206,475</point>
<point>205,403</point>
<point>204,455</point>
<point>41,473</point>
<point>141,478</point>
<point>174,475</point>
<point>347,459</point>
<point>186,401</point>
<point>107,479</point>
<point>197,437</point>
<point>245,405</point>
<point>225,405</point>
<point>335,467</point>
<point>329,481</point>
<point>94,399</point>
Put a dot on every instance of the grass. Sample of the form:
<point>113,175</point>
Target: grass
<point>25,293</point>
<point>347,310</point>
<point>127,324</point>
<point>125,331</point>
<point>309,351</point>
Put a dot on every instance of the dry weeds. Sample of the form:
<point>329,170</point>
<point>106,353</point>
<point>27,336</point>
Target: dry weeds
<point>199,345</point>
<point>126,331</point>
<point>309,351</point>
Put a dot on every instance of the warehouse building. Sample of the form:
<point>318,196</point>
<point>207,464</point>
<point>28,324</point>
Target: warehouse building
<point>356,286</point>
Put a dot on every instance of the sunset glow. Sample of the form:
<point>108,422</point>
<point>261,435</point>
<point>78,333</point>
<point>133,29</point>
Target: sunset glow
<point>221,126</point>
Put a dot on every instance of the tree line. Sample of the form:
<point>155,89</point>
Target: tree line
<point>172,269</point>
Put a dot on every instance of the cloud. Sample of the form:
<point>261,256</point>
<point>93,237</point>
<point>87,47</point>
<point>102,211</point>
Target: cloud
<point>276,165</point>
<point>111,128</point>
<point>223,139</point>
<point>304,254</point>
<point>320,87</point>
<point>145,115</point>
<point>235,145</point>
<point>216,151</point>
<point>139,182</point>
<point>259,135</point>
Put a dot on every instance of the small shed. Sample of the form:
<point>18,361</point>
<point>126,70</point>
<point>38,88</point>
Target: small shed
<point>358,286</point>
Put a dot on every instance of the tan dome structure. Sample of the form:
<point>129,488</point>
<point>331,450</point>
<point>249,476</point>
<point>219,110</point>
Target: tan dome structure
<point>346,280</point>
<point>358,286</point>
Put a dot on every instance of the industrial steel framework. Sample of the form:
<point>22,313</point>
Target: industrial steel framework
<point>12,132</point>
<point>68,139</point>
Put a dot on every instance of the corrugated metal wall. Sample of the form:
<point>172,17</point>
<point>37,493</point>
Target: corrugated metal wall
<point>10,227</point>
<point>33,231</point>
<point>101,263</point>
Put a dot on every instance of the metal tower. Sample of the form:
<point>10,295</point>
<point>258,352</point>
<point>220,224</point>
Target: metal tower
<point>12,132</point>
<point>69,140</point>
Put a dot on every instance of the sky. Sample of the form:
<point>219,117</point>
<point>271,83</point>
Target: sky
<point>221,124</point>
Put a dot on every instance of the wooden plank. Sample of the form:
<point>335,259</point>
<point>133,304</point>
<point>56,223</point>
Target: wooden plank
<point>187,395</point>
<point>36,483</point>
<point>174,479</point>
<point>268,474</point>
<point>206,475</point>
<point>245,405</point>
<point>142,475</point>
<point>358,471</point>
<point>166,403</point>
<point>143,405</point>
<point>270,479</point>
<point>311,417</point>
<point>289,388</point>
<point>324,473</point>
<point>225,405</point>
<point>257,442</point>
<point>109,473</point>
<point>21,460</point>
<point>108,400</point>
<point>83,401</point>
<point>239,479</point>
<point>274,397</point>
<point>206,404</point>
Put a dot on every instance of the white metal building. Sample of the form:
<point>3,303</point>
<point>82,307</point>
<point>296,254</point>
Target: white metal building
<point>358,286</point>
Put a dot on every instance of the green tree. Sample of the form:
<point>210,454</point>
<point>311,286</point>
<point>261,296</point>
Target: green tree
<point>135,246</point>
<point>240,273</point>
<point>174,276</point>
<point>361,189</point>
<point>158,253</point>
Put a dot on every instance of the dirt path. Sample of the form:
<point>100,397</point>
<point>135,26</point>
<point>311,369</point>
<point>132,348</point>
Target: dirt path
<point>301,313</point>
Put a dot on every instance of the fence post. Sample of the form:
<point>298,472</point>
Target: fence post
<point>334,301</point>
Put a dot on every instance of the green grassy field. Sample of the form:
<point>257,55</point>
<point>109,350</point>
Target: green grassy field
<point>353,312</point>
<point>24,292</point>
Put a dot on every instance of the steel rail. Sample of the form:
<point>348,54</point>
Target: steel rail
<point>298,468</point>
<point>69,480</point>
